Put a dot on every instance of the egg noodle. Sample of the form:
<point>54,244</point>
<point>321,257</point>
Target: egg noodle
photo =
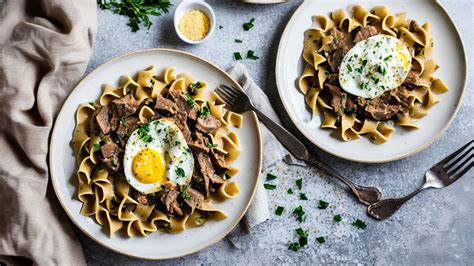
<point>316,79</point>
<point>108,197</point>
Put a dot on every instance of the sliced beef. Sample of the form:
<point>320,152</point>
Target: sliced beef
<point>194,198</point>
<point>165,106</point>
<point>338,98</point>
<point>127,126</point>
<point>171,203</point>
<point>110,155</point>
<point>114,117</point>
<point>218,160</point>
<point>126,106</point>
<point>199,178</point>
<point>381,110</point>
<point>143,198</point>
<point>365,33</point>
<point>351,105</point>
<point>199,143</point>
<point>181,101</point>
<point>207,170</point>
<point>180,120</point>
<point>340,40</point>
<point>412,80</point>
<point>399,97</point>
<point>100,121</point>
<point>208,124</point>
<point>332,79</point>
<point>335,60</point>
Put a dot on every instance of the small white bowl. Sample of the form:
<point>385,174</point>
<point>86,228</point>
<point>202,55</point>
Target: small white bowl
<point>188,5</point>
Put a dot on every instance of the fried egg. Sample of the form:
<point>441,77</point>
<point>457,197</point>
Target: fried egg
<point>157,154</point>
<point>375,65</point>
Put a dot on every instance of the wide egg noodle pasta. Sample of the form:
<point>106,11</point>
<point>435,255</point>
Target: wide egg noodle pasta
<point>106,196</point>
<point>311,82</point>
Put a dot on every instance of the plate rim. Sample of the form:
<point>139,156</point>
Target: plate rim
<point>353,159</point>
<point>94,72</point>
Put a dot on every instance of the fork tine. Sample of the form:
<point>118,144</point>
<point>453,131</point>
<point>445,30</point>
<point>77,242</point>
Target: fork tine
<point>461,165</point>
<point>458,175</point>
<point>234,91</point>
<point>455,162</point>
<point>225,96</point>
<point>454,154</point>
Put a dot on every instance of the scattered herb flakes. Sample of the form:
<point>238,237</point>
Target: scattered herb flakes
<point>143,133</point>
<point>193,87</point>
<point>210,146</point>
<point>180,172</point>
<point>279,210</point>
<point>299,183</point>
<point>237,56</point>
<point>248,25</point>
<point>271,177</point>
<point>294,246</point>
<point>204,112</point>
<point>321,239</point>
<point>290,191</point>
<point>221,27</point>
<point>337,218</point>
<point>138,11</point>
<point>238,40</point>
<point>323,204</point>
<point>251,55</point>
<point>303,196</point>
<point>269,186</point>
<point>300,214</point>
<point>96,146</point>
<point>122,120</point>
<point>185,194</point>
<point>227,176</point>
<point>91,103</point>
<point>303,237</point>
<point>190,100</point>
<point>359,224</point>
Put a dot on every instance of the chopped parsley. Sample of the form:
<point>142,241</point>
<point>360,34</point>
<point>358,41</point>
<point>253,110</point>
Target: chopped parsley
<point>387,58</point>
<point>290,191</point>
<point>204,112</point>
<point>349,68</point>
<point>251,55</point>
<point>382,70</point>
<point>248,25</point>
<point>269,186</point>
<point>279,210</point>
<point>122,120</point>
<point>359,224</point>
<point>91,103</point>
<point>294,246</point>
<point>321,239</point>
<point>221,27</point>
<point>96,146</point>
<point>299,183</point>
<point>300,214</point>
<point>193,87</point>
<point>227,176</point>
<point>237,56</point>
<point>271,177</point>
<point>210,146</point>
<point>323,204</point>
<point>337,40</point>
<point>238,40</point>
<point>337,218</point>
<point>303,237</point>
<point>180,172</point>
<point>184,192</point>
<point>143,133</point>
<point>303,196</point>
<point>190,100</point>
<point>364,62</point>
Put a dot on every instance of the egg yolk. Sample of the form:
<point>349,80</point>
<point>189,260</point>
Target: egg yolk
<point>149,166</point>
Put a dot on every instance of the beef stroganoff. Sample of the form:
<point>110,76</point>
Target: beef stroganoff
<point>366,72</point>
<point>154,153</point>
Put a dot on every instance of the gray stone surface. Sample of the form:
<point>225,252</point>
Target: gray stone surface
<point>435,227</point>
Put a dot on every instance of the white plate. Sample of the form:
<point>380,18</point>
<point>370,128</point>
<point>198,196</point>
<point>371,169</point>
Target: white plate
<point>157,245</point>
<point>448,52</point>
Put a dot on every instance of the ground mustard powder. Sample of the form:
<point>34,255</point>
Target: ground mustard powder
<point>194,25</point>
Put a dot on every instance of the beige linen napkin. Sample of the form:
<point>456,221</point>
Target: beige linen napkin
<point>273,151</point>
<point>45,46</point>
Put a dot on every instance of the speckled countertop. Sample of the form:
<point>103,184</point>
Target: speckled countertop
<point>436,227</point>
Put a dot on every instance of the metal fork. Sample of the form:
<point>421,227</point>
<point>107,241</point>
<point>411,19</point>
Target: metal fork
<point>440,175</point>
<point>237,101</point>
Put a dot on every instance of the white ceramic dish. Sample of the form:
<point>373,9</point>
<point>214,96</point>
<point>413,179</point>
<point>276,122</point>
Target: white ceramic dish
<point>448,52</point>
<point>156,245</point>
<point>188,5</point>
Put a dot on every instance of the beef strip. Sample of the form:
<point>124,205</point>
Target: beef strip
<point>199,143</point>
<point>351,105</point>
<point>198,177</point>
<point>171,202</point>
<point>340,40</point>
<point>126,106</point>
<point>195,199</point>
<point>335,60</point>
<point>110,155</point>
<point>143,198</point>
<point>127,126</point>
<point>165,106</point>
<point>338,98</point>
<point>181,101</point>
<point>208,124</point>
<point>398,96</point>
<point>332,79</point>
<point>388,104</point>
<point>218,160</point>
<point>180,120</point>
<point>100,121</point>
<point>207,170</point>
<point>412,80</point>
<point>365,33</point>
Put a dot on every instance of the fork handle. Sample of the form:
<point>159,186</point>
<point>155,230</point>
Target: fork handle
<point>384,209</point>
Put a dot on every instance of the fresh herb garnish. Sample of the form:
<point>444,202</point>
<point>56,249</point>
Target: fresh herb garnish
<point>210,146</point>
<point>143,133</point>
<point>382,70</point>
<point>227,176</point>
<point>190,100</point>
<point>269,186</point>
<point>138,11</point>
<point>221,27</point>
<point>184,192</point>
<point>204,112</point>
<point>193,87</point>
<point>299,183</point>
<point>238,40</point>
<point>290,191</point>
<point>303,196</point>
<point>300,214</point>
<point>279,210</point>
<point>323,204</point>
<point>237,56</point>
<point>359,224</point>
<point>387,58</point>
<point>122,120</point>
<point>180,172</point>
<point>271,177</point>
<point>91,103</point>
<point>294,246</point>
<point>349,68</point>
<point>251,55</point>
<point>248,25</point>
<point>321,239</point>
<point>96,146</point>
<point>303,237</point>
<point>337,218</point>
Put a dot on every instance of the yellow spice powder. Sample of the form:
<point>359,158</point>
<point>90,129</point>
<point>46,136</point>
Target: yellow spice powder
<point>194,25</point>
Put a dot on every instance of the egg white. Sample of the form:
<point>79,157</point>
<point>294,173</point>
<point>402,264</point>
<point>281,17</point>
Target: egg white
<point>375,65</point>
<point>166,138</point>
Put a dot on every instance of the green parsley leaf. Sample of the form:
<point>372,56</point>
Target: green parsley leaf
<point>299,183</point>
<point>227,176</point>
<point>122,120</point>
<point>323,204</point>
<point>190,100</point>
<point>289,191</point>
<point>180,172</point>
<point>303,196</point>
<point>300,214</point>
<point>270,177</point>
<point>193,87</point>
<point>237,56</point>
<point>337,218</point>
<point>210,146</point>
<point>248,25</point>
<point>220,27</point>
<point>91,103</point>
<point>143,133</point>
<point>359,224</point>
<point>303,237</point>
<point>321,239</point>
<point>279,210</point>
<point>138,11</point>
<point>204,112</point>
<point>294,246</point>
<point>238,40</point>
<point>251,55</point>
<point>269,186</point>
<point>184,192</point>
<point>96,146</point>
